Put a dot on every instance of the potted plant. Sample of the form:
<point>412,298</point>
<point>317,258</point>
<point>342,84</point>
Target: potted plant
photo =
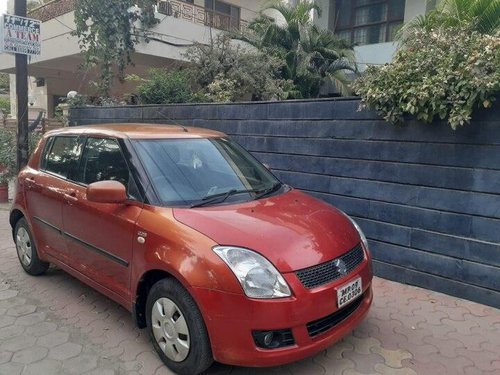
<point>7,161</point>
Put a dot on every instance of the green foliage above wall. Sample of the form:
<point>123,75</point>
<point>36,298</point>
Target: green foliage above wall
<point>445,73</point>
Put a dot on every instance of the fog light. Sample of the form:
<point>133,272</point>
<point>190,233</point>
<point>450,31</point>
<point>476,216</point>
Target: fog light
<point>268,339</point>
<point>273,339</point>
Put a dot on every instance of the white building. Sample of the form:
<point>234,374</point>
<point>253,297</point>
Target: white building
<point>369,23</point>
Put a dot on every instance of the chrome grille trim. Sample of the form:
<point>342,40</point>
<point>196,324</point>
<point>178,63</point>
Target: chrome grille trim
<point>327,272</point>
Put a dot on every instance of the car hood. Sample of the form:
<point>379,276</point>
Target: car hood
<point>293,230</point>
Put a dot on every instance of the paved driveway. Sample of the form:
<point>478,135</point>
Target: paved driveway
<point>54,324</point>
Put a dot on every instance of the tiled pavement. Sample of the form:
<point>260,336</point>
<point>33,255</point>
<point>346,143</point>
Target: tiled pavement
<point>54,324</point>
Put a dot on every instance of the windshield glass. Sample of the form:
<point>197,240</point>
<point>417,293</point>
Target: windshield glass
<point>189,171</point>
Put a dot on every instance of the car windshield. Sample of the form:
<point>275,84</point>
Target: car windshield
<point>196,172</point>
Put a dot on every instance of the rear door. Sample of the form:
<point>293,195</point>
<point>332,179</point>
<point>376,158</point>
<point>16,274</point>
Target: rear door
<point>45,193</point>
<point>100,236</point>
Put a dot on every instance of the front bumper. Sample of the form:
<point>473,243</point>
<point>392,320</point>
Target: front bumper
<point>231,318</point>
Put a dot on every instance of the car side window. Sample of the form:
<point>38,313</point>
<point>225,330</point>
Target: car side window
<point>63,156</point>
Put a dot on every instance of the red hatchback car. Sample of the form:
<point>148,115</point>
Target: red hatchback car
<point>201,242</point>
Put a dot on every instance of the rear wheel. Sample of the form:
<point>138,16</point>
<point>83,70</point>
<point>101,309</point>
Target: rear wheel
<point>177,329</point>
<point>26,249</point>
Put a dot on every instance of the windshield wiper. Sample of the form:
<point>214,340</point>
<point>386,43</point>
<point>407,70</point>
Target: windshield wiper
<point>268,191</point>
<point>221,197</point>
<point>217,197</point>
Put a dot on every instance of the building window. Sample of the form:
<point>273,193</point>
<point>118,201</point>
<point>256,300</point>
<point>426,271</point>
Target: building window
<point>222,15</point>
<point>368,21</point>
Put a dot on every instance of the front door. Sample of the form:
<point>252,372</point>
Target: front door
<point>99,235</point>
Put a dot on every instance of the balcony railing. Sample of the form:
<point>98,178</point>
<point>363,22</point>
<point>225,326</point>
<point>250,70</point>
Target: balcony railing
<point>175,8</point>
<point>200,15</point>
<point>52,10</point>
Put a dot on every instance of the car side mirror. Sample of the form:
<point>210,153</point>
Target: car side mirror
<point>107,192</point>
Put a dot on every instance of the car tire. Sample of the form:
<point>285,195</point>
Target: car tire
<point>26,249</point>
<point>177,328</point>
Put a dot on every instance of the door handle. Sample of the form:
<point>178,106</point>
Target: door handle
<point>30,182</point>
<point>71,197</point>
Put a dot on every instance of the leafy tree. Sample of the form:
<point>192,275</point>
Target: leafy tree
<point>108,33</point>
<point>225,71</point>
<point>442,74</point>
<point>162,87</point>
<point>482,16</point>
<point>310,56</point>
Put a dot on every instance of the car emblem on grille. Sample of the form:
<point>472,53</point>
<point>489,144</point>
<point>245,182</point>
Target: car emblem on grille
<point>341,266</point>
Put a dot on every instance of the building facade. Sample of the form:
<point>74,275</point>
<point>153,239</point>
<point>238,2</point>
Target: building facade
<point>369,23</point>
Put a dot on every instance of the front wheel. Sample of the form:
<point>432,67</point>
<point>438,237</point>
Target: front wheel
<point>26,249</point>
<point>177,329</point>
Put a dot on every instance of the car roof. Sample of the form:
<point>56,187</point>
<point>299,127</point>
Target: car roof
<point>138,131</point>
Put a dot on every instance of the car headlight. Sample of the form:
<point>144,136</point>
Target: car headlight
<point>361,234</point>
<point>257,276</point>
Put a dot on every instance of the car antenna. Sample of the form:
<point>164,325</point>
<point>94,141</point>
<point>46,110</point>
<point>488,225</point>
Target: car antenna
<point>172,120</point>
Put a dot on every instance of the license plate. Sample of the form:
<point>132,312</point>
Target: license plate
<point>349,292</point>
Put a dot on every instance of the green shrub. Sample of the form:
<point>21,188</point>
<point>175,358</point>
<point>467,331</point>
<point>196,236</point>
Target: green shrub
<point>163,87</point>
<point>8,155</point>
<point>4,83</point>
<point>221,90</point>
<point>77,101</point>
<point>225,71</point>
<point>5,106</point>
<point>443,73</point>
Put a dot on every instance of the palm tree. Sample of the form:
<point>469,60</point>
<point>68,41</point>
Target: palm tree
<point>482,16</point>
<point>311,56</point>
<point>329,56</point>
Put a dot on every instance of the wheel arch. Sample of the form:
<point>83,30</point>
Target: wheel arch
<point>14,217</point>
<point>144,285</point>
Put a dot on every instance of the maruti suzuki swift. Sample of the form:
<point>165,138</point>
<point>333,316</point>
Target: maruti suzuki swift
<point>209,251</point>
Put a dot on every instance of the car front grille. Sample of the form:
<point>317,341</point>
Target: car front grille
<point>324,273</point>
<point>319,326</point>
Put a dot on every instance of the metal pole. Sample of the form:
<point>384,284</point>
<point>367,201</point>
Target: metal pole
<point>22,96</point>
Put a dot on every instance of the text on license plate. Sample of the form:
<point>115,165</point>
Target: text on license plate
<point>349,292</point>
